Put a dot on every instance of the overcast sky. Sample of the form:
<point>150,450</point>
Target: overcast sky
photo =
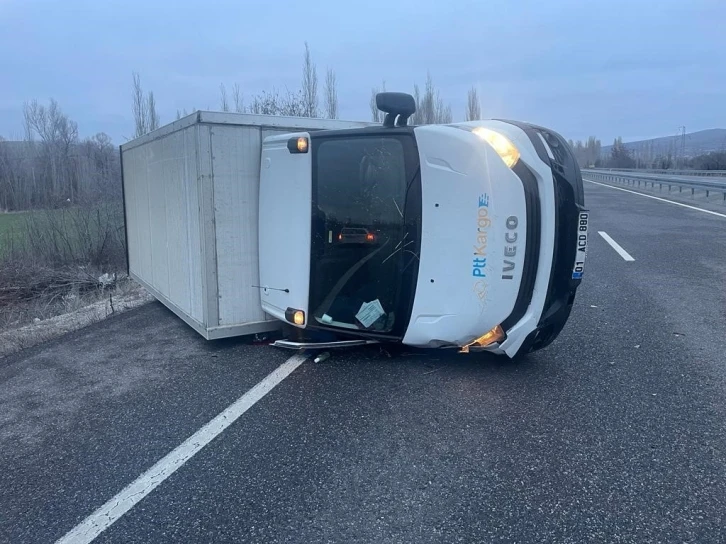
<point>630,68</point>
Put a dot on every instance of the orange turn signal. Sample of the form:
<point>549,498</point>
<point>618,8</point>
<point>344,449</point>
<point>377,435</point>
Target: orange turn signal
<point>298,145</point>
<point>486,339</point>
<point>295,316</point>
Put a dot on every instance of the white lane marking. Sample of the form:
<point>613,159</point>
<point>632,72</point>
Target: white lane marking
<point>624,254</point>
<point>106,515</point>
<point>658,198</point>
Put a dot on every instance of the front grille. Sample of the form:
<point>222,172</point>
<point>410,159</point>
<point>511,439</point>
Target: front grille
<point>561,284</point>
<point>531,251</point>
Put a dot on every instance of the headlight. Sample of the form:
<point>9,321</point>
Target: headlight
<point>500,143</point>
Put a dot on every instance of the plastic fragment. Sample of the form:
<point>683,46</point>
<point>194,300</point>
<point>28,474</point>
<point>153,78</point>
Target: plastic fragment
<point>322,357</point>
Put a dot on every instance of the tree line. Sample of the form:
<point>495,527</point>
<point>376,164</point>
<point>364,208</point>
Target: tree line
<point>430,106</point>
<point>589,154</point>
<point>306,101</point>
<point>52,166</point>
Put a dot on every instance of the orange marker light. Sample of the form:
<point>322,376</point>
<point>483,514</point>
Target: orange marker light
<point>298,144</point>
<point>486,339</point>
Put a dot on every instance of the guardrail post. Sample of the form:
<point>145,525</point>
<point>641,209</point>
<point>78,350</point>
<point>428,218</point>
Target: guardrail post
<point>660,186</point>
<point>693,191</point>
<point>706,193</point>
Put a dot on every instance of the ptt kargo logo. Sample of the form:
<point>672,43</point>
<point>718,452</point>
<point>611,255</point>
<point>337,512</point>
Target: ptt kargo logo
<point>479,263</point>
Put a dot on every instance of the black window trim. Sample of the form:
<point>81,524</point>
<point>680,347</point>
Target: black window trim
<point>412,221</point>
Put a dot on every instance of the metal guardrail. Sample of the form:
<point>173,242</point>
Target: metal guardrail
<point>704,173</point>
<point>661,181</point>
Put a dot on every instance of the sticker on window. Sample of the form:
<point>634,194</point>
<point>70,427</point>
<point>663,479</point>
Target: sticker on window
<point>369,313</point>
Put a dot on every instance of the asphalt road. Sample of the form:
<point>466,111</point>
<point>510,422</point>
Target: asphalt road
<point>614,433</point>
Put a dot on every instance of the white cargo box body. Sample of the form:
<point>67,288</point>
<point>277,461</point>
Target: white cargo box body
<point>191,193</point>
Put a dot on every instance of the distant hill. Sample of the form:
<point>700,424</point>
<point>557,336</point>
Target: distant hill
<point>697,143</point>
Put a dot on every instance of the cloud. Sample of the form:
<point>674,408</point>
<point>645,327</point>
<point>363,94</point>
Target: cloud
<point>584,68</point>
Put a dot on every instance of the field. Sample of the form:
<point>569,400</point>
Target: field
<point>12,226</point>
<point>79,235</point>
<point>50,260</point>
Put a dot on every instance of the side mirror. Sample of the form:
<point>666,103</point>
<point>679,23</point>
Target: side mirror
<point>394,105</point>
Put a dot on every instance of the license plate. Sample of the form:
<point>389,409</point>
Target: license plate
<point>581,252</point>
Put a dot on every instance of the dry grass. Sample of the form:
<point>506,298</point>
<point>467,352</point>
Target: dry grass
<point>51,260</point>
<point>40,319</point>
<point>21,282</point>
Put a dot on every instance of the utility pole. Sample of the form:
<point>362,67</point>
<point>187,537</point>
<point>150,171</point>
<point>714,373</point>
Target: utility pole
<point>680,146</point>
<point>675,147</point>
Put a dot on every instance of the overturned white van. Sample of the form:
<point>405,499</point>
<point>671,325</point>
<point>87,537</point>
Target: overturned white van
<point>468,235</point>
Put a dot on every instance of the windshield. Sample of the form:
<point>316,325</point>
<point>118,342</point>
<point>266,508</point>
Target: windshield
<point>361,243</point>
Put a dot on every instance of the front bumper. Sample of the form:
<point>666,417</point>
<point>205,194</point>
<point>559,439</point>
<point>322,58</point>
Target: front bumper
<point>569,202</point>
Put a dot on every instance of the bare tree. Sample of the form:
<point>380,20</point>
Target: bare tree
<point>473,106</point>
<point>58,134</point>
<point>53,168</point>
<point>376,114</point>
<point>428,103</point>
<point>416,118</point>
<point>151,114</point>
<point>14,193</point>
<point>592,151</point>
<point>310,84</point>
<point>139,107</point>
<point>223,101</point>
<point>430,107</point>
<point>442,111</point>
<point>178,115</point>
<point>331,95</point>
<point>146,116</point>
<point>293,104</point>
<point>239,106</point>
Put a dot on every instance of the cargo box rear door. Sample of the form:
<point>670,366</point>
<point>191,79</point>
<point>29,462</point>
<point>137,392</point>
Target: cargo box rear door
<point>285,225</point>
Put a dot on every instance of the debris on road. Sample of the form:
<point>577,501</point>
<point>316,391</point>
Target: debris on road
<point>107,279</point>
<point>322,357</point>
